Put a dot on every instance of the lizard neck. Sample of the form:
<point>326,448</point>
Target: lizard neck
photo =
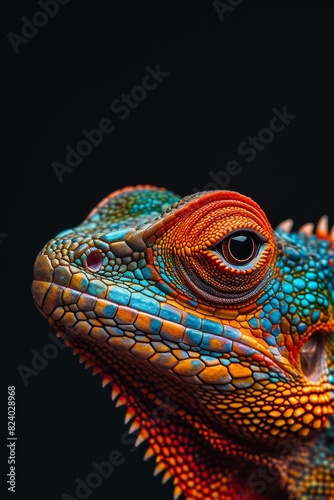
<point>203,462</point>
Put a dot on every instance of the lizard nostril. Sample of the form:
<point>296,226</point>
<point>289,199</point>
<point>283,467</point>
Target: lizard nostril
<point>94,260</point>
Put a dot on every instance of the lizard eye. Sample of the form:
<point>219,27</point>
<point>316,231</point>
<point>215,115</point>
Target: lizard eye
<point>239,247</point>
<point>219,244</point>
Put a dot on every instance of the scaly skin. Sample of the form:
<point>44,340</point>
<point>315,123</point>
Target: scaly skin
<point>215,330</point>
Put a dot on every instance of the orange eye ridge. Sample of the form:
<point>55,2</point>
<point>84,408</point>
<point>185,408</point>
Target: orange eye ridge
<point>221,246</point>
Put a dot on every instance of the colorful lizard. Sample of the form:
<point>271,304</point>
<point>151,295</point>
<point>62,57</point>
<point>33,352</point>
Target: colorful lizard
<point>215,331</point>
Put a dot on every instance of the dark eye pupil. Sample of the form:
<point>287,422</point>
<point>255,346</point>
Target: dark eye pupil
<point>241,246</point>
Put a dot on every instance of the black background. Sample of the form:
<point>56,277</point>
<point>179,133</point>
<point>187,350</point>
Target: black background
<point>225,77</point>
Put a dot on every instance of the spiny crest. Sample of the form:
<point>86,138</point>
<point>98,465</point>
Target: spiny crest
<point>321,229</point>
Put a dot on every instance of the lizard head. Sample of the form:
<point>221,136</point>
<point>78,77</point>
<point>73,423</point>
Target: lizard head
<point>202,303</point>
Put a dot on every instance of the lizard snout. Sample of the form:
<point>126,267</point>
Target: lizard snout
<point>50,277</point>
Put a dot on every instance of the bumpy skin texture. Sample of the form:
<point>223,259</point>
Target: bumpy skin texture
<point>215,330</point>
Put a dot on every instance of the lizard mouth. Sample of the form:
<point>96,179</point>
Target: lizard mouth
<point>312,356</point>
